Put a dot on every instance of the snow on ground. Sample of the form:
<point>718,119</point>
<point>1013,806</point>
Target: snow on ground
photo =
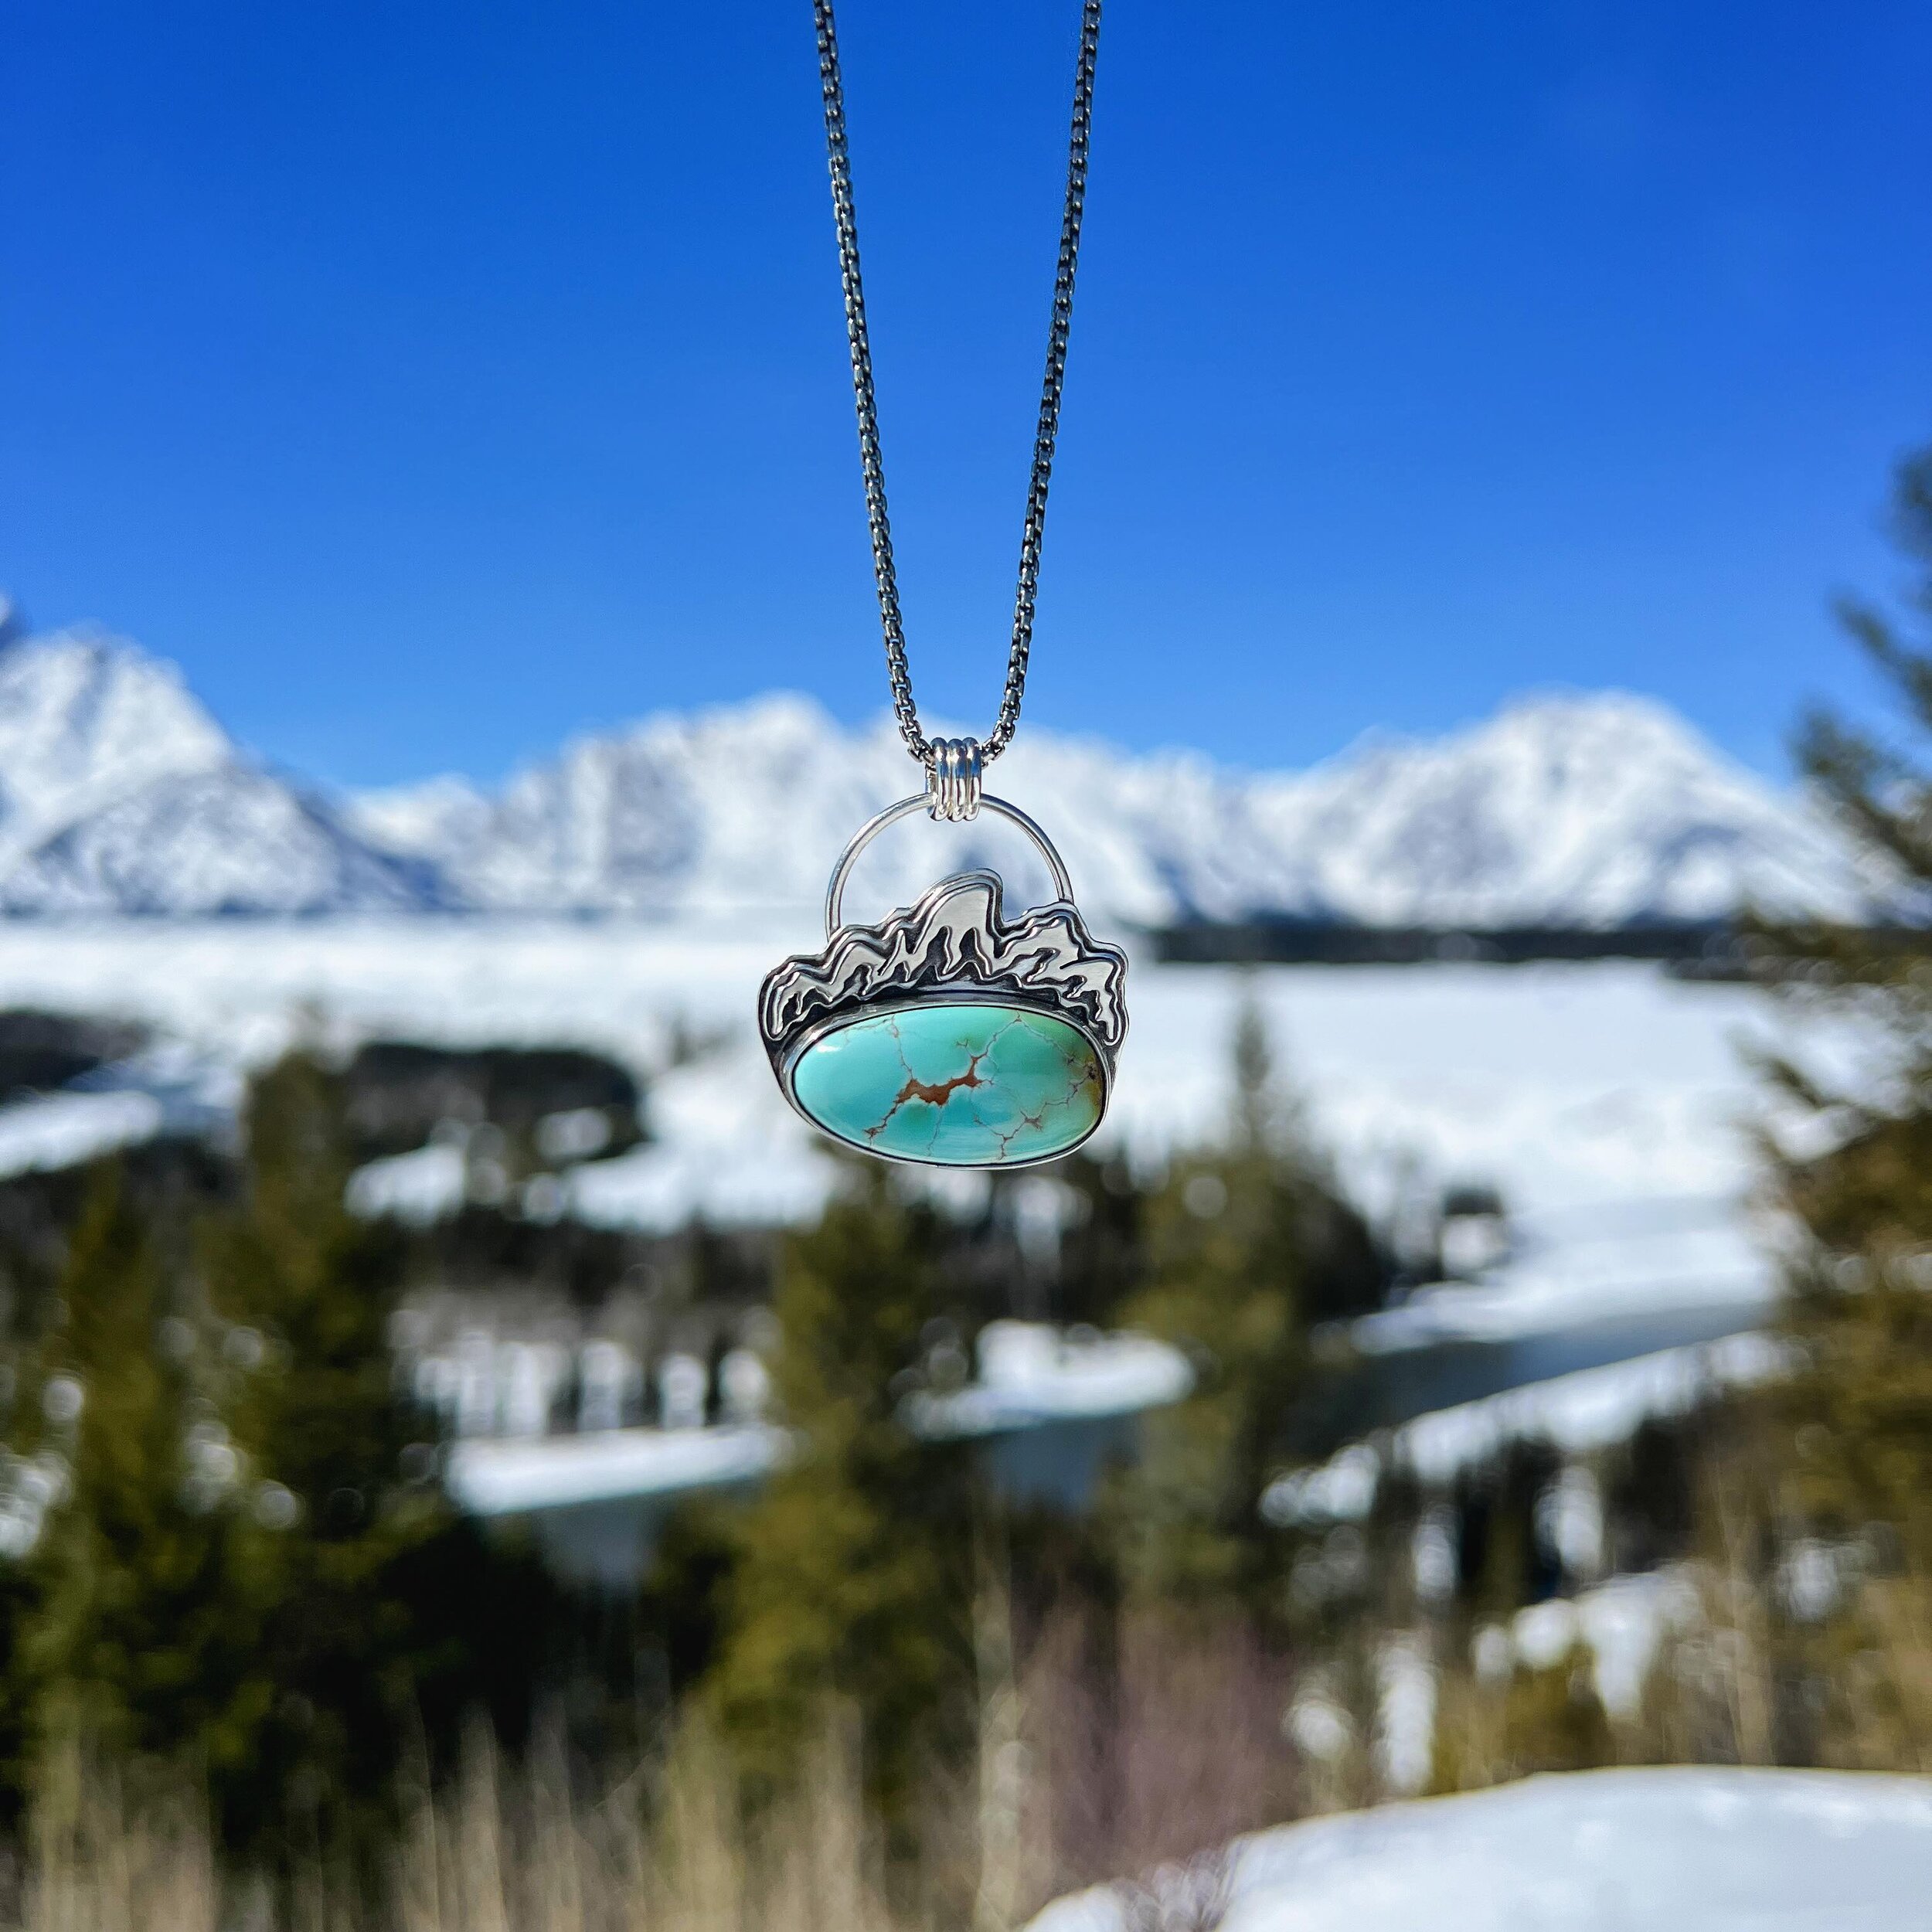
<point>1589,1410</point>
<point>1598,1259</point>
<point>1621,1623</point>
<point>172,1088</point>
<point>1619,1851</point>
<point>499,1478</point>
<point>723,1145</point>
<point>1030,1372</point>
<point>1567,1085</point>
<point>419,1189</point>
<point>53,1131</point>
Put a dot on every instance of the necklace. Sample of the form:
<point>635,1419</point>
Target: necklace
<point>949,1033</point>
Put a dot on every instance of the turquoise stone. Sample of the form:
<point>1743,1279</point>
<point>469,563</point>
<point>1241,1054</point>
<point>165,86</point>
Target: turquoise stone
<point>973,1085</point>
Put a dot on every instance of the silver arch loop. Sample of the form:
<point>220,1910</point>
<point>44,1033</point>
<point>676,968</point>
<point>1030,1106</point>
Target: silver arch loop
<point>953,779</point>
<point>870,830</point>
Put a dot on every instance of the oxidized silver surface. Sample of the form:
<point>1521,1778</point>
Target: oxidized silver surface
<point>956,941</point>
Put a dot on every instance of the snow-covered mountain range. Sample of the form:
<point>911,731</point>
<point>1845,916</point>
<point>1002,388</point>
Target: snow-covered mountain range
<point>120,795</point>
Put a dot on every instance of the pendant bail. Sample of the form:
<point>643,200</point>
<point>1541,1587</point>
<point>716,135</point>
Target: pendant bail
<point>953,779</point>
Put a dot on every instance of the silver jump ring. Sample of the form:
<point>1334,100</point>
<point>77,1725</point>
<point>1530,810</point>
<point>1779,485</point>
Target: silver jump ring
<point>953,779</point>
<point>870,830</point>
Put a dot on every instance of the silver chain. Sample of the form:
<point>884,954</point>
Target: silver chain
<point>870,464</point>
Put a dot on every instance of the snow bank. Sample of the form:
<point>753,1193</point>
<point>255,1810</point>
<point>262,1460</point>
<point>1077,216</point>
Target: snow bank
<point>1622,1850</point>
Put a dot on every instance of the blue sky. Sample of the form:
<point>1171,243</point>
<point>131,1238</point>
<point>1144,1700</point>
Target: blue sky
<point>434,381</point>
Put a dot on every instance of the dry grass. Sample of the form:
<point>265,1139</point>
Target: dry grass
<point>97,1862</point>
<point>1137,1747</point>
<point>1140,1745</point>
<point>500,1851</point>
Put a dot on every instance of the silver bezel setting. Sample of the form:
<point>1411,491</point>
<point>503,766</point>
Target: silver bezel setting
<point>954,947</point>
<point>958,996</point>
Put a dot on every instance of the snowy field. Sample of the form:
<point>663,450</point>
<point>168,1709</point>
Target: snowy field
<point>1625,1851</point>
<point>1579,1090</point>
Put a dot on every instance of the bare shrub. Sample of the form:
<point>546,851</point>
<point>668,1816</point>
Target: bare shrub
<point>1192,1895</point>
<point>1139,1745</point>
<point>501,1850</point>
<point>1154,1742</point>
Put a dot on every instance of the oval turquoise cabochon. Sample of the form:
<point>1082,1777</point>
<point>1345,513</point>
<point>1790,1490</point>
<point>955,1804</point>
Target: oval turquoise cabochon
<point>978,1084</point>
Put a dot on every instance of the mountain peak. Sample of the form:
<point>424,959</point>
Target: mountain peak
<point>86,718</point>
<point>118,792</point>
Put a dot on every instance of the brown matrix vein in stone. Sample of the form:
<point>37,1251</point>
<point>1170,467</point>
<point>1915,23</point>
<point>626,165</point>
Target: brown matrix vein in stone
<point>935,1094</point>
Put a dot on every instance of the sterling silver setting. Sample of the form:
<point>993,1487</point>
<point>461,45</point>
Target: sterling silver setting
<point>953,779</point>
<point>955,945</point>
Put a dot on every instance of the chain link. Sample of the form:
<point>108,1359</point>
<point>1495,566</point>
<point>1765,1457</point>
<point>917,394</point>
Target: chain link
<point>871,467</point>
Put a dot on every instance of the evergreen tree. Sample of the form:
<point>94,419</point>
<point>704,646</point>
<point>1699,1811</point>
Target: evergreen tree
<point>375,1616</point>
<point>1837,1476</point>
<point>1249,1244</point>
<point>223,1555</point>
<point>128,1642</point>
<point>854,1579</point>
<point>1863,1318</point>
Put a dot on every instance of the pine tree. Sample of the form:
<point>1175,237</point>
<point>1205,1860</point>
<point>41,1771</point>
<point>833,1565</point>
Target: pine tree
<point>1863,1318</point>
<point>1840,1468</point>
<point>129,1646</point>
<point>1249,1245</point>
<point>377,1617</point>
<point>853,1583</point>
<point>222,1554</point>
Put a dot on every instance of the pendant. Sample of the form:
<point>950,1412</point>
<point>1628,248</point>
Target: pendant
<point>948,1033</point>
